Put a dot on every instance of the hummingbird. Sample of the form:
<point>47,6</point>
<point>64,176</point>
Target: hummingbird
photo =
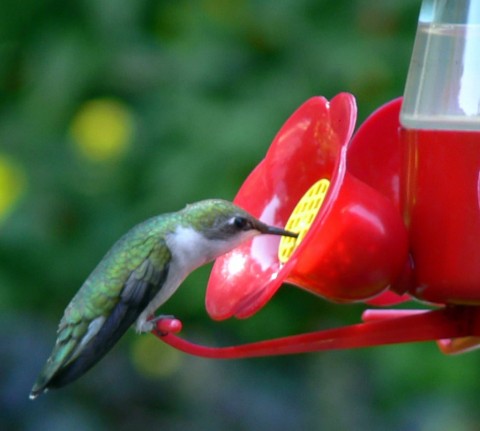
<point>137,275</point>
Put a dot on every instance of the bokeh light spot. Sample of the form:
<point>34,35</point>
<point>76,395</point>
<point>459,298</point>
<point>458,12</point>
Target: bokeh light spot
<point>102,129</point>
<point>154,359</point>
<point>12,184</point>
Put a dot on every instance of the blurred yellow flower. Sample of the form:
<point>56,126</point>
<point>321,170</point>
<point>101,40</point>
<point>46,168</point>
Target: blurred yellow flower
<point>154,359</point>
<point>102,129</point>
<point>12,184</point>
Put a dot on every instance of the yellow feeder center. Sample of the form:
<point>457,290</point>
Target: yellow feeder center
<point>302,218</point>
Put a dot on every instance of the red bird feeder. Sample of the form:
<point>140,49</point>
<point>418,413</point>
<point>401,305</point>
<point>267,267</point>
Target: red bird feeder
<point>386,216</point>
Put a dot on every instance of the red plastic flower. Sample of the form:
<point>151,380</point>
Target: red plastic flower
<point>357,244</point>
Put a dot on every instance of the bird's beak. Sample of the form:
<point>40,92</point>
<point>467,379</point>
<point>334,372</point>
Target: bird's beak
<point>272,230</point>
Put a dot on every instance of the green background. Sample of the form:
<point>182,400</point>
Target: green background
<point>205,85</point>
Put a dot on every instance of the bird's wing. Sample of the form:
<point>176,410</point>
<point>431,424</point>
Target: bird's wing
<point>82,340</point>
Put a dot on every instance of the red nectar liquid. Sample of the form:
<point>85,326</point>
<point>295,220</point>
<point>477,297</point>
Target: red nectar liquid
<point>441,205</point>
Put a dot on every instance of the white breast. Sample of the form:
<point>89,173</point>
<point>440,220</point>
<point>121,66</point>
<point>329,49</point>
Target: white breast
<point>189,250</point>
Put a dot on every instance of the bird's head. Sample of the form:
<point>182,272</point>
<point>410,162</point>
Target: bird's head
<point>226,225</point>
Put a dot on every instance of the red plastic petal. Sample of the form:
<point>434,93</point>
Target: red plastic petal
<point>306,149</point>
<point>374,157</point>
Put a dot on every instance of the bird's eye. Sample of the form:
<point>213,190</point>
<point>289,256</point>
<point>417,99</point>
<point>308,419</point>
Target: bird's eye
<point>240,223</point>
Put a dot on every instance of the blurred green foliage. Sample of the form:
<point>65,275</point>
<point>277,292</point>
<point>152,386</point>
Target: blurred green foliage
<point>189,96</point>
